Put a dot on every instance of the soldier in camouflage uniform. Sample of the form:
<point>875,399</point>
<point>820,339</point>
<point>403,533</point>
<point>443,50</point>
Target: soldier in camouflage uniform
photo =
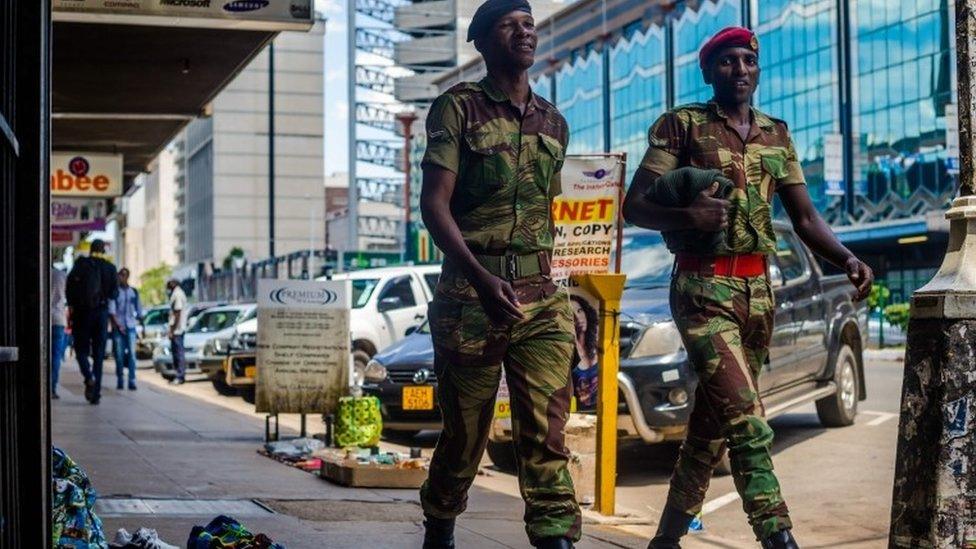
<point>721,297</point>
<point>491,171</point>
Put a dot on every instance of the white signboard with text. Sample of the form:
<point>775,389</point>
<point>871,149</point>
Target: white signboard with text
<point>303,348</point>
<point>76,174</point>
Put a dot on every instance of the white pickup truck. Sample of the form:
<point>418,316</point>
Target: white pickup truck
<point>387,303</point>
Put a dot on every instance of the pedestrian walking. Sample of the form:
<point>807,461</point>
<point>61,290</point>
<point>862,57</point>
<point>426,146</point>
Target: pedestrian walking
<point>59,320</point>
<point>126,312</point>
<point>177,326</point>
<point>490,172</point>
<point>92,284</point>
<point>721,298</point>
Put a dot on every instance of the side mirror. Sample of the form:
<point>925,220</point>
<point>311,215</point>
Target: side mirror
<point>389,304</point>
<point>775,276</point>
<point>412,330</point>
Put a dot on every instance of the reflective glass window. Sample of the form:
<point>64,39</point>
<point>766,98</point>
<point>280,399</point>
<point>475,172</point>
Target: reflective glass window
<point>692,28</point>
<point>579,89</point>
<point>638,92</point>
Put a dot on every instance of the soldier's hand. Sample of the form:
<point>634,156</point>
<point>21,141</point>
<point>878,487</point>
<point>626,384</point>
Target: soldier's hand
<point>499,300</point>
<point>708,213</point>
<point>860,275</point>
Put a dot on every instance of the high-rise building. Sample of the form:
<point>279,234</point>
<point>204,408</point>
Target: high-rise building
<point>159,230</point>
<point>223,196</point>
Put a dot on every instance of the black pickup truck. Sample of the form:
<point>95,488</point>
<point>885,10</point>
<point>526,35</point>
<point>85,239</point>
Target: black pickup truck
<point>815,354</point>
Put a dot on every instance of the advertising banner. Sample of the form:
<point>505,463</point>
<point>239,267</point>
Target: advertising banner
<point>242,14</point>
<point>303,348</point>
<point>61,239</point>
<point>86,175</point>
<point>586,216</point>
<point>74,214</point>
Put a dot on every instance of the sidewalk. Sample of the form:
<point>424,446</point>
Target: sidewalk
<point>145,449</point>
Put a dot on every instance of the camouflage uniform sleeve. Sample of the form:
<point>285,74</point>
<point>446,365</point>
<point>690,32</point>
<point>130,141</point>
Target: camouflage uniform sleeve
<point>556,183</point>
<point>665,140</point>
<point>794,171</point>
<point>444,124</point>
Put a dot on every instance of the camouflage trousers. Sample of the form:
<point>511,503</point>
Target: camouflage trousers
<point>468,356</point>
<point>726,324</point>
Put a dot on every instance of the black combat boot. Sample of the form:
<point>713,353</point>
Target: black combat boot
<point>674,524</point>
<point>438,533</point>
<point>554,543</point>
<point>780,540</point>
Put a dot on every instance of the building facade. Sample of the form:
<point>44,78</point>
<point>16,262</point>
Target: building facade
<point>864,86</point>
<point>223,192</point>
<point>159,229</point>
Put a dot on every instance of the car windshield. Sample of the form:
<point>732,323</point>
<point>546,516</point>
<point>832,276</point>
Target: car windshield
<point>362,289</point>
<point>156,316</point>
<point>646,260</point>
<point>214,321</point>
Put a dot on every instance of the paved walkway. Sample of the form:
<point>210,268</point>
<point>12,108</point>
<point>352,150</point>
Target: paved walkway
<point>157,444</point>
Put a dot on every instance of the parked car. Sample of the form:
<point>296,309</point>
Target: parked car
<point>152,332</point>
<point>205,341</point>
<point>815,354</point>
<point>388,304</point>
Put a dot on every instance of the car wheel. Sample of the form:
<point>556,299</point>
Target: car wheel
<point>502,455</point>
<point>219,380</point>
<point>840,408</point>
<point>247,394</point>
<point>360,359</point>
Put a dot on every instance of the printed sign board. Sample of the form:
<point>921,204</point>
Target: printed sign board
<point>303,348</point>
<point>77,214</point>
<point>834,163</point>
<point>86,175</point>
<point>240,14</point>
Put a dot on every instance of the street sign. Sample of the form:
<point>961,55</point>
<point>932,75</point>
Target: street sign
<point>834,164</point>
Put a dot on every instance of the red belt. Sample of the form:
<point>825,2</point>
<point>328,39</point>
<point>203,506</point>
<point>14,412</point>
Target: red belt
<point>743,265</point>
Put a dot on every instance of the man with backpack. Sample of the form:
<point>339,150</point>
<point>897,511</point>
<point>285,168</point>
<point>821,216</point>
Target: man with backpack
<point>92,283</point>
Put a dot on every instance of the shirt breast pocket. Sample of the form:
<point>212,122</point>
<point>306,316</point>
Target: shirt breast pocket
<point>488,163</point>
<point>551,155</point>
<point>774,163</point>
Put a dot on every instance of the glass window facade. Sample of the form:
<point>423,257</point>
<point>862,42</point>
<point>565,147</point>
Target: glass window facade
<point>638,92</point>
<point>579,92</point>
<point>800,81</point>
<point>902,77</point>
<point>542,86</point>
<point>691,30</point>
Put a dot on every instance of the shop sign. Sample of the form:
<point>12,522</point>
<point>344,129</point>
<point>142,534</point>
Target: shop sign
<point>77,214</point>
<point>303,349</point>
<point>84,174</point>
<point>240,14</point>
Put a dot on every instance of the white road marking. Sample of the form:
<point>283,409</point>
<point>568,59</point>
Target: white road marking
<point>882,417</point>
<point>719,502</point>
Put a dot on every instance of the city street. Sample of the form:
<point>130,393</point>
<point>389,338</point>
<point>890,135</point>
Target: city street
<point>187,443</point>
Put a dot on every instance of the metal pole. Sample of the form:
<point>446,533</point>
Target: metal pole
<point>271,152</point>
<point>407,119</point>
<point>352,211</point>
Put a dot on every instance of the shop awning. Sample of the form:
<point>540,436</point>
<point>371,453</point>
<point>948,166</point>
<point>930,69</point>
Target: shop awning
<point>127,80</point>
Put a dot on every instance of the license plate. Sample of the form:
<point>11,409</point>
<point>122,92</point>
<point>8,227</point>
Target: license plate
<point>250,371</point>
<point>418,398</point>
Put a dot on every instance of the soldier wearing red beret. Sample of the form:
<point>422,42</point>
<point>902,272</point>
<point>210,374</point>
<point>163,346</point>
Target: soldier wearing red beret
<point>721,296</point>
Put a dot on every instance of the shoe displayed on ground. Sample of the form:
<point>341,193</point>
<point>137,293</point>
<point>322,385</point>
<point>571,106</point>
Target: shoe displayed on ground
<point>674,524</point>
<point>177,381</point>
<point>144,538</point>
<point>438,533</point>
<point>780,540</point>
<point>554,543</point>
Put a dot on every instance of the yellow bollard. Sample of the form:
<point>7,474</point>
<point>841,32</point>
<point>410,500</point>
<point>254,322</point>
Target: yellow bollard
<point>608,288</point>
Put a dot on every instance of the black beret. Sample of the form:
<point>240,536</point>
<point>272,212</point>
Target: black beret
<point>491,11</point>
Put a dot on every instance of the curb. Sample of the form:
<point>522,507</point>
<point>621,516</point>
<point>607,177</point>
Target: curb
<point>895,355</point>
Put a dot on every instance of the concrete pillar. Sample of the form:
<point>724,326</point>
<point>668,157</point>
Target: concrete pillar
<point>934,500</point>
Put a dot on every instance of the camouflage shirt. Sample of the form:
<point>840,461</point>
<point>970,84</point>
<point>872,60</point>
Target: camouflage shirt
<point>507,166</point>
<point>700,135</point>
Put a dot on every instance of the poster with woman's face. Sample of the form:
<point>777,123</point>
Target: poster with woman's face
<point>586,351</point>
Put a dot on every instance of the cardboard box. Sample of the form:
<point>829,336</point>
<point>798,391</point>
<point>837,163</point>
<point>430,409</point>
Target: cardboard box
<point>373,475</point>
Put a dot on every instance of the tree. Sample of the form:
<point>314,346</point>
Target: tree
<point>153,284</point>
<point>236,251</point>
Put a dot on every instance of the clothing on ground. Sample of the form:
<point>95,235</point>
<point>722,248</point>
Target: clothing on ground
<point>726,324</point>
<point>74,523</point>
<point>143,538</point>
<point>700,135</point>
<point>225,532</point>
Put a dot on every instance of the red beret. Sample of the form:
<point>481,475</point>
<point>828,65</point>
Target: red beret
<point>727,38</point>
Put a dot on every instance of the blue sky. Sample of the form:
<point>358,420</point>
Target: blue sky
<point>336,100</point>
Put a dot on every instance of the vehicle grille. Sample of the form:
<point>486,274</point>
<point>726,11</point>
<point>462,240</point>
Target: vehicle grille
<point>405,377</point>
